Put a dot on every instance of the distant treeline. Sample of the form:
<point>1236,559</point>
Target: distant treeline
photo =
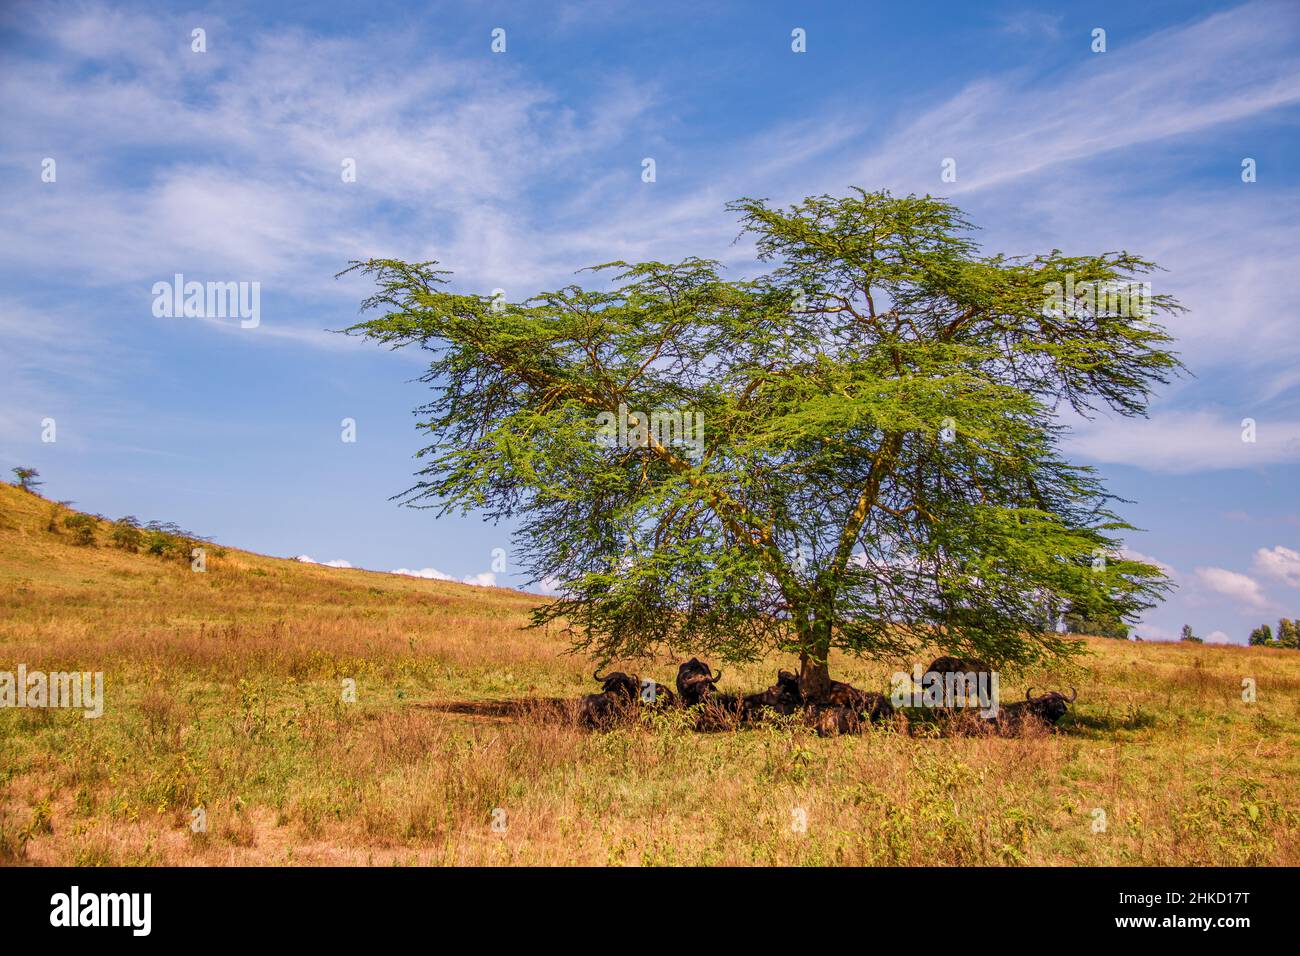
<point>1288,635</point>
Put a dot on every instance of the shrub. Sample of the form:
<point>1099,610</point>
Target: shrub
<point>82,528</point>
<point>26,479</point>
<point>1105,626</point>
<point>1288,633</point>
<point>126,534</point>
<point>158,543</point>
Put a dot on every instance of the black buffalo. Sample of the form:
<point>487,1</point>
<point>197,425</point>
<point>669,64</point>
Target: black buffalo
<point>868,705</point>
<point>696,682</point>
<point>602,711</point>
<point>784,697</point>
<point>832,720</point>
<point>621,696</point>
<point>1048,708</point>
<point>966,671</point>
<point>958,665</point>
<point>623,686</point>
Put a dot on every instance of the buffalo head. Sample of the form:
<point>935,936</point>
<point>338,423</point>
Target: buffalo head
<point>784,696</point>
<point>695,681</point>
<point>1049,707</point>
<point>617,684</point>
<point>958,665</point>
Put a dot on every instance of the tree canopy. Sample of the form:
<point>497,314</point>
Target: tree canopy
<point>878,467</point>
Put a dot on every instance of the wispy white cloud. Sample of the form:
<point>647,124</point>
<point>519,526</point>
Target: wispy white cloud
<point>499,179</point>
<point>1032,23</point>
<point>336,563</point>
<point>1181,442</point>
<point>1224,68</point>
<point>1279,562</point>
<point>1241,588</point>
<point>432,574</point>
<point>487,579</point>
<point>1153,632</point>
<point>1132,555</point>
<point>456,142</point>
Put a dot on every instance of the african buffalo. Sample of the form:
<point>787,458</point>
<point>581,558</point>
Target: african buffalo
<point>1048,708</point>
<point>660,696</point>
<point>958,665</point>
<point>961,677</point>
<point>695,681</point>
<point>784,697</point>
<point>618,684</point>
<point>602,711</point>
<point>833,720</point>
<point>866,704</point>
<point>621,696</point>
<point>720,712</point>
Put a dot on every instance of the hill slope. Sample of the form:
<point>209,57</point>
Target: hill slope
<point>224,704</point>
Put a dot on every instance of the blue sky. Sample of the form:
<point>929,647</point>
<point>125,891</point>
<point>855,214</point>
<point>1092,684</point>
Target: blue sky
<point>516,169</point>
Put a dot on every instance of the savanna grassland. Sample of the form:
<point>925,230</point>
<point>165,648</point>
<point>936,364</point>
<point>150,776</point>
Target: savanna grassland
<point>223,691</point>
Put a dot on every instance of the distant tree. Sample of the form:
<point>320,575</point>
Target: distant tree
<point>1288,633</point>
<point>26,479</point>
<point>1189,636</point>
<point>877,464</point>
<point>1261,635</point>
<point>57,508</point>
<point>158,543</point>
<point>1111,627</point>
<point>168,539</point>
<point>126,533</point>
<point>82,528</point>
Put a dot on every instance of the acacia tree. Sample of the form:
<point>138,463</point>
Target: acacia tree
<point>879,469</point>
<point>27,478</point>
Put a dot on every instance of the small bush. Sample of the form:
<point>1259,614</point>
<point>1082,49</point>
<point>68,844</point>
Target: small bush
<point>157,543</point>
<point>126,534</point>
<point>28,479</point>
<point>55,513</point>
<point>82,528</point>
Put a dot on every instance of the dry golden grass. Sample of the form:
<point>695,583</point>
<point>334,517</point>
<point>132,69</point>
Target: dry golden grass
<point>223,691</point>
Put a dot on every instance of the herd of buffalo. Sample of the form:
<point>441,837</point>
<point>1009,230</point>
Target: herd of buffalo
<point>843,709</point>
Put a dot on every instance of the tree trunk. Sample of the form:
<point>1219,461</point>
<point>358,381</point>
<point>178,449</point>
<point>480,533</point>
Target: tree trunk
<point>814,678</point>
<point>814,668</point>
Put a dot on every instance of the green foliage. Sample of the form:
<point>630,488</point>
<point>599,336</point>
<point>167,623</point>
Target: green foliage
<point>57,508</point>
<point>880,465</point>
<point>159,544</point>
<point>1187,635</point>
<point>1261,635</point>
<point>26,478</point>
<point>163,539</point>
<point>82,527</point>
<point>167,539</point>
<point>1111,627</point>
<point>1288,633</point>
<point>126,534</point>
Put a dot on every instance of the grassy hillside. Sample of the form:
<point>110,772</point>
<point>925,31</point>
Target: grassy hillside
<point>223,691</point>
